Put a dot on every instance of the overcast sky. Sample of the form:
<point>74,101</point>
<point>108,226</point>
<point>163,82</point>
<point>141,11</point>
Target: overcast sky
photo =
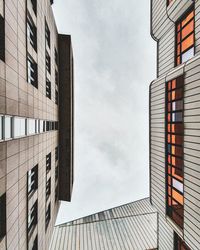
<point>114,58</point>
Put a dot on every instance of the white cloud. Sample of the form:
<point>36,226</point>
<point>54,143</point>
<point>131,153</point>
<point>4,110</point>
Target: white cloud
<point>114,59</point>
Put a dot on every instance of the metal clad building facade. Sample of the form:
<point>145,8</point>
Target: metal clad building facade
<point>176,31</point>
<point>30,81</point>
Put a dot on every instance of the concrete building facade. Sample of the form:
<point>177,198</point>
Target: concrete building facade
<point>175,121</point>
<point>31,79</point>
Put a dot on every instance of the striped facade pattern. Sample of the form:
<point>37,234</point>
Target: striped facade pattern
<point>163,31</point>
<point>131,226</point>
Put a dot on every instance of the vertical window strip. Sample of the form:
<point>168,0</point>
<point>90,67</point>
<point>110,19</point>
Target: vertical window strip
<point>174,150</point>
<point>185,38</point>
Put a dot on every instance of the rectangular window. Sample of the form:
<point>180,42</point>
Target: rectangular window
<point>2,216</point>
<point>48,162</point>
<point>179,244</point>
<point>185,38</point>
<point>56,56</point>
<point>47,34</point>
<point>48,63</point>
<point>2,38</point>
<point>41,126</point>
<point>48,89</point>
<point>31,32</point>
<point>7,127</point>
<point>48,188</point>
<point>32,76</point>
<point>174,150</point>
<point>48,215</point>
<point>47,126</point>
<point>31,126</point>
<point>32,218</point>
<point>32,177</point>
<point>44,126</point>
<point>56,153</point>
<point>56,97</point>
<point>56,173</point>
<point>56,193</point>
<point>19,125</point>
<point>34,6</point>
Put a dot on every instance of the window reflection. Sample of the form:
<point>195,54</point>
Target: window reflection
<point>8,127</point>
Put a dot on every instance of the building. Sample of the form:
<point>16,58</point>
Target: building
<point>36,104</point>
<point>175,121</point>
<point>132,226</point>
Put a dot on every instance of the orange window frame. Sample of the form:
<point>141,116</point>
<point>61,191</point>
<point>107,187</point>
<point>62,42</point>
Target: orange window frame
<point>174,151</point>
<point>185,36</point>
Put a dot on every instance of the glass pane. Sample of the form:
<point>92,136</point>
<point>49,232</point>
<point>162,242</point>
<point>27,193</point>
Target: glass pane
<point>177,117</point>
<point>178,185</point>
<point>31,126</point>
<point>178,105</point>
<point>187,42</point>
<point>7,127</point>
<point>187,55</point>
<point>188,29</point>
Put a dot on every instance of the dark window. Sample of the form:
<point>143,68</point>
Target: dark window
<point>48,215</point>
<point>3,215</point>
<point>48,188</point>
<point>56,172</point>
<point>48,162</point>
<point>48,63</point>
<point>44,126</point>
<point>32,218</point>
<point>56,57</point>
<point>56,193</point>
<point>47,34</point>
<point>35,243</point>
<point>32,77</point>
<point>47,125</point>
<point>56,97</point>
<point>56,125</point>
<point>56,153</point>
<point>48,89</point>
<point>179,244</point>
<point>31,32</point>
<point>2,38</point>
<point>32,177</point>
<point>185,38</point>
<point>34,6</point>
<point>174,150</point>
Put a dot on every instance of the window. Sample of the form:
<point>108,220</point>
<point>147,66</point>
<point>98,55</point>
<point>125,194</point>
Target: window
<point>41,126</point>
<point>56,56</point>
<point>48,89</point>
<point>47,34</point>
<point>56,173</point>
<point>47,126</point>
<point>32,218</point>
<point>44,126</point>
<point>19,127</point>
<point>48,162</point>
<point>56,125</point>
<point>56,193</point>
<point>179,244</point>
<point>2,38</point>
<point>7,127</point>
<point>56,153</point>
<point>32,71</point>
<point>48,215</point>
<point>31,126</point>
<point>185,38</point>
<point>35,243</point>
<point>32,177</point>
<point>48,63</point>
<point>31,32</point>
<point>48,188</point>
<point>174,150</point>
<point>56,97</point>
<point>34,6</point>
<point>2,215</point>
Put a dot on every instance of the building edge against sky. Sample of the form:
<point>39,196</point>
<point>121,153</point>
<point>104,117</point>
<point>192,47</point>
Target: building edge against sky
<point>36,104</point>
